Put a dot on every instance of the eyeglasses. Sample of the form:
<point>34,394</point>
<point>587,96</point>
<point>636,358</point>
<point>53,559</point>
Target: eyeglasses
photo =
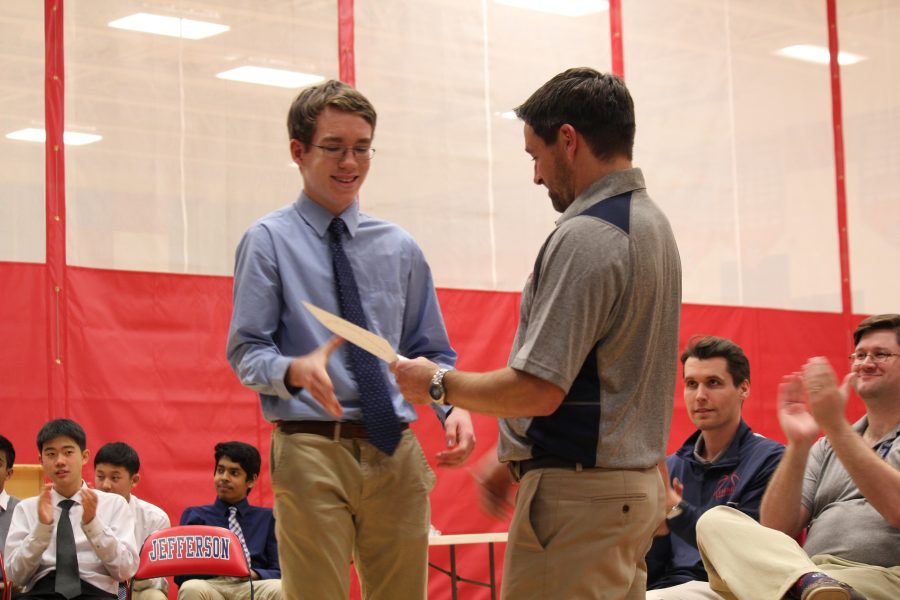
<point>339,152</point>
<point>858,358</point>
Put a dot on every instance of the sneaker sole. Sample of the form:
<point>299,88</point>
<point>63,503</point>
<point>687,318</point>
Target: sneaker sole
<point>827,593</point>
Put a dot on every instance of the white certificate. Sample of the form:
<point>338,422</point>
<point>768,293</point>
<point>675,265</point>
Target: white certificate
<point>368,341</point>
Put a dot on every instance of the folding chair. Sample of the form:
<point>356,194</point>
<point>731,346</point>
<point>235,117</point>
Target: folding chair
<point>191,550</point>
<point>7,584</point>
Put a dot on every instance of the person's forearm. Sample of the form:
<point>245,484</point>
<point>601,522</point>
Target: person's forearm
<point>262,368</point>
<point>502,393</point>
<point>24,552</point>
<point>781,507</point>
<point>877,481</point>
<point>685,524</point>
<point>273,573</point>
<point>118,554</point>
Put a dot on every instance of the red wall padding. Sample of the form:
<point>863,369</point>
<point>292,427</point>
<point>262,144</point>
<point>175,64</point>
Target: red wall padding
<point>145,363</point>
<point>25,357</point>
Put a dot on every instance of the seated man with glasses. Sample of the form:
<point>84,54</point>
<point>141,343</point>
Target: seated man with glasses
<point>843,487</point>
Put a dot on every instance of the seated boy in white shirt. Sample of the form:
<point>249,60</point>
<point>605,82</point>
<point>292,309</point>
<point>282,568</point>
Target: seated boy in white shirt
<point>71,542</point>
<point>116,467</point>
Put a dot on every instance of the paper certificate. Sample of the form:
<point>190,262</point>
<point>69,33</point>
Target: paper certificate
<point>368,341</point>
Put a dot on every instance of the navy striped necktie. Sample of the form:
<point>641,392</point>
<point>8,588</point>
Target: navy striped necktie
<point>377,409</point>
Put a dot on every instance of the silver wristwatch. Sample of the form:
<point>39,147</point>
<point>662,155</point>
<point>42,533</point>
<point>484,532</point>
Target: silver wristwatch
<point>436,389</point>
<point>676,510</point>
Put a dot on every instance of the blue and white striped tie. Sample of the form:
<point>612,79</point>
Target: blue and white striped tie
<point>235,528</point>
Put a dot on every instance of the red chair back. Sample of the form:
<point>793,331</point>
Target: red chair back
<point>192,550</point>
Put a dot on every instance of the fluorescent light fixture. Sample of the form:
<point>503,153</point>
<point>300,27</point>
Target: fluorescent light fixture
<point>509,114</point>
<point>170,26</point>
<point>269,76</point>
<point>70,138</point>
<point>566,8</point>
<point>818,54</point>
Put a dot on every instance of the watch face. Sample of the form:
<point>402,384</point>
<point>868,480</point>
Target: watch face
<point>435,391</point>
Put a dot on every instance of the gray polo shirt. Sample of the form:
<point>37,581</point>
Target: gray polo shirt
<point>599,318</point>
<point>843,523</point>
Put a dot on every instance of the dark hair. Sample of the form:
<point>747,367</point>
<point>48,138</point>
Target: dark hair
<point>710,346</point>
<point>877,322</point>
<point>61,428</point>
<point>244,454</point>
<point>7,447</point>
<point>309,104</point>
<point>596,104</point>
<point>118,454</point>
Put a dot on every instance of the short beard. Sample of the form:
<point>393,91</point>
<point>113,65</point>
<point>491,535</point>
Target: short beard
<point>563,198</point>
<point>559,204</point>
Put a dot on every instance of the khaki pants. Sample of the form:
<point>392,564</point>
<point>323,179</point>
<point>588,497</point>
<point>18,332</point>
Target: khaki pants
<point>691,590</point>
<point>582,535</point>
<point>149,594</point>
<point>340,499</point>
<point>746,561</point>
<point>229,588</point>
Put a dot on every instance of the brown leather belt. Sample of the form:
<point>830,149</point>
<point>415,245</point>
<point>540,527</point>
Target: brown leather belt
<point>329,429</point>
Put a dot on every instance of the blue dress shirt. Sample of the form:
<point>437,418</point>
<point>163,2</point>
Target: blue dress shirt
<point>284,259</point>
<point>257,525</point>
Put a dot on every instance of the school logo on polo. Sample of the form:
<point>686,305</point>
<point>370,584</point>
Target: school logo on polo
<point>190,546</point>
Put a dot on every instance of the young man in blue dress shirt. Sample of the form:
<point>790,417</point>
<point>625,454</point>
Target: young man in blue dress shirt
<point>341,494</point>
<point>237,469</point>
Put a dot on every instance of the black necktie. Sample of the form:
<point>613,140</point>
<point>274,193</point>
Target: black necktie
<point>68,583</point>
<point>377,409</point>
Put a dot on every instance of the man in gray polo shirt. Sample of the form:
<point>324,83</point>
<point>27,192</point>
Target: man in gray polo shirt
<point>587,396</point>
<point>843,487</point>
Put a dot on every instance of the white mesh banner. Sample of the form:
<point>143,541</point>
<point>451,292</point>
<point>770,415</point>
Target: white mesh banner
<point>22,231</point>
<point>735,139</point>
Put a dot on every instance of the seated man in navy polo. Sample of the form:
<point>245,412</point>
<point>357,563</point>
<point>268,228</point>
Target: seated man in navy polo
<point>722,463</point>
<point>237,470</point>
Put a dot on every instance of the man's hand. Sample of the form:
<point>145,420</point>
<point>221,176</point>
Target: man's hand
<point>309,372</point>
<point>89,504</point>
<point>414,378</point>
<point>826,401</point>
<point>460,436</point>
<point>794,414</point>
<point>674,495</point>
<point>45,505</point>
<point>495,485</point>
